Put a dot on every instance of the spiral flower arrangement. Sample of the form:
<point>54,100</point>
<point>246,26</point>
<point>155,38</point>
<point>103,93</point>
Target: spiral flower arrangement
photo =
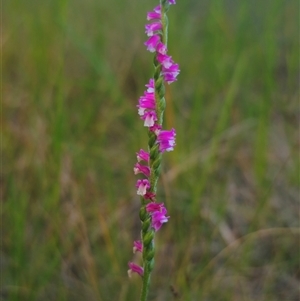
<point>151,108</point>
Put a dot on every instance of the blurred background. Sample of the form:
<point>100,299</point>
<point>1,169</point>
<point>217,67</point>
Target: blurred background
<point>72,73</point>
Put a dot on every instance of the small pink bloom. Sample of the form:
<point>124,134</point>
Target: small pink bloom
<point>150,86</point>
<point>174,68</point>
<point>149,118</point>
<point>137,246</point>
<point>166,140</point>
<point>161,48</point>
<point>165,60</point>
<point>156,14</point>
<point>159,218</point>
<point>147,101</point>
<point>134,268</point>
<point>152,28</point>
<point>157,9</point>
<point>149,195</point>
<point>152,42</point>
<point>170,78</point>
<point>142,155</point>
<point>139,168</point>
<point>170,73</point>
<point>152,207</point>
<point>172,1</point>
<point>142,186</point>
<point>155,128</point>
<point>158,214</point>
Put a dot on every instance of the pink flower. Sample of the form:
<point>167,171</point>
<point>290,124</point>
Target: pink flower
<point>134,268</point>
<point>155,128</point>
<point>137,246</point>
<point>159,218</point>
<point>149,195</point>
<point>166,140</point>
<point>142,155</point>
<point>172,1</point>
<point>169,78</point>
<point>158,214</point>
<point>150,86</point>
<point>152,207</point>
<point>161,48</point>
<point>139,168</point>
<point>142,186</point>
<point>170,73</point>
<point>152,42</point>
<point>165,60</point>
<point>147,101</point>
<point>156,14</point>
<point>149,118</point>
<point>153,27</point>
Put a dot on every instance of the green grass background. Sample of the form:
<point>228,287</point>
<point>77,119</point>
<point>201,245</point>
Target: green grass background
<point>72,73</point>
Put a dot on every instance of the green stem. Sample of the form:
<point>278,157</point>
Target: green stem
<point>164,20</point>
<point>146,283</point>
<point>148,251</point>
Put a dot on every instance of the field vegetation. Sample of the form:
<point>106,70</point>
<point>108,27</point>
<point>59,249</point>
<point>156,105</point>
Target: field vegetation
<point>72,73</point>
